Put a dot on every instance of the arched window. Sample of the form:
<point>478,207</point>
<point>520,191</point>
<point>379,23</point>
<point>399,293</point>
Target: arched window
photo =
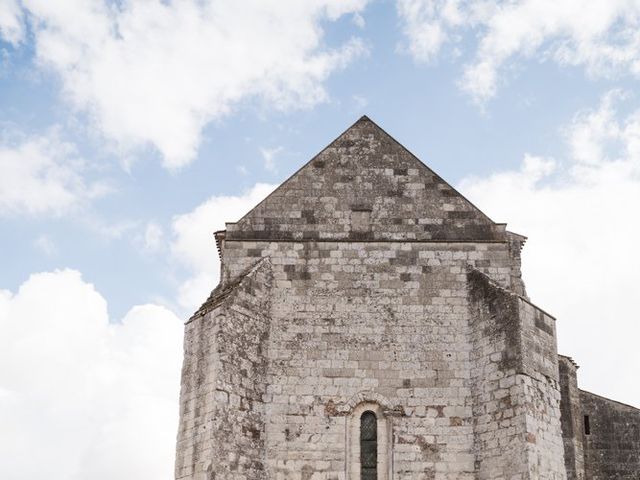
<point>368,446</point>
<point>369,455</point>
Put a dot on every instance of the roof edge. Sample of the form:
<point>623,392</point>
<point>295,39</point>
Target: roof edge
<point>366,118</point>
<point>495,284</point>
<point>609,399</point>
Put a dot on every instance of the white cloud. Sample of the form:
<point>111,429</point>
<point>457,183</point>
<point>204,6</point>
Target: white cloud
<point>11,23</point>
<point>153,236</point>
<point>42,175</point>
<point>81,397</point>
<point>580,262</point>
<point>154,73</point>
<point>424,27</point>
<point>358,20</point>
<point>603,36</point>
<point>194,246</point>
<point>269,155</point>
<point>360,102</point>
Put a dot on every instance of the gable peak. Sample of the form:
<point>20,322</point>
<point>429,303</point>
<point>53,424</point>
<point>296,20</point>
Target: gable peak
<point>365,185</point>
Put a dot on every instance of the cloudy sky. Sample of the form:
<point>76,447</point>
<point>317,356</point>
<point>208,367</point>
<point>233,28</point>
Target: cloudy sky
<point>130,130</point>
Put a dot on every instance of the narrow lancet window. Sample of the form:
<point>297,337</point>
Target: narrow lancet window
<point>368,446</point>
<point>587,425</point>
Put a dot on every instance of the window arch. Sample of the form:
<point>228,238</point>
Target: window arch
<point>368,446</point>
<point>369,455</point>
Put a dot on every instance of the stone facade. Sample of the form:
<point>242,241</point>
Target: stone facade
<point>366,283</point>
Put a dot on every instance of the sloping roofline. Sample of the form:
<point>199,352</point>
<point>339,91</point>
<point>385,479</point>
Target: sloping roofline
<point>609,399</point>
<point>361,119</point>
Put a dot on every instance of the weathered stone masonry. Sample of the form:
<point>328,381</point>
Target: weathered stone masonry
<point>366,283</point>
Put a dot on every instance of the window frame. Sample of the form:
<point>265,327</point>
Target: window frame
<point>369,445</point>
<point>384,463</point>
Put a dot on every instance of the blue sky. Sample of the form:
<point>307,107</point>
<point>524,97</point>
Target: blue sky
<point>131,130</point>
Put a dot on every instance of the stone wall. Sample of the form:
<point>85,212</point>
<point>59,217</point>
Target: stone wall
<point>384,320</point>
<point>368,303</point>
<point>612,447</point>
<point>221,433</point>
<point>601,437</point>
<point>390,320</point>
<point>365,186</point>
<point>571,417</point>
<point>495,354</point>
<point>515,392</point>
<point>516,243</point>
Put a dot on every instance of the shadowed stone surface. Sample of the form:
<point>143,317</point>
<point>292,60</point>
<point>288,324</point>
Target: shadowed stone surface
<point>613,445</point>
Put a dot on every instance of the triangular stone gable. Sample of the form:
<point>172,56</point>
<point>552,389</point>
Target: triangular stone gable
<point>365,186</point>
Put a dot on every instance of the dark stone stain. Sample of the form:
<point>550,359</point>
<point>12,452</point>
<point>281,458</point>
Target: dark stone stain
<point>461,214</point>
<point>360,236</point>
<point>541,324</point>
<point>456,421</point>
<point>306,472</point>
<point>430,451</point>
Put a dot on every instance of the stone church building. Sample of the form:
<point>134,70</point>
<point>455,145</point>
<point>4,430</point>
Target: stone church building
<point>372,324</point>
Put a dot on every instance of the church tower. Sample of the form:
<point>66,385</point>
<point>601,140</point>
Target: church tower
<point>371,324</point>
